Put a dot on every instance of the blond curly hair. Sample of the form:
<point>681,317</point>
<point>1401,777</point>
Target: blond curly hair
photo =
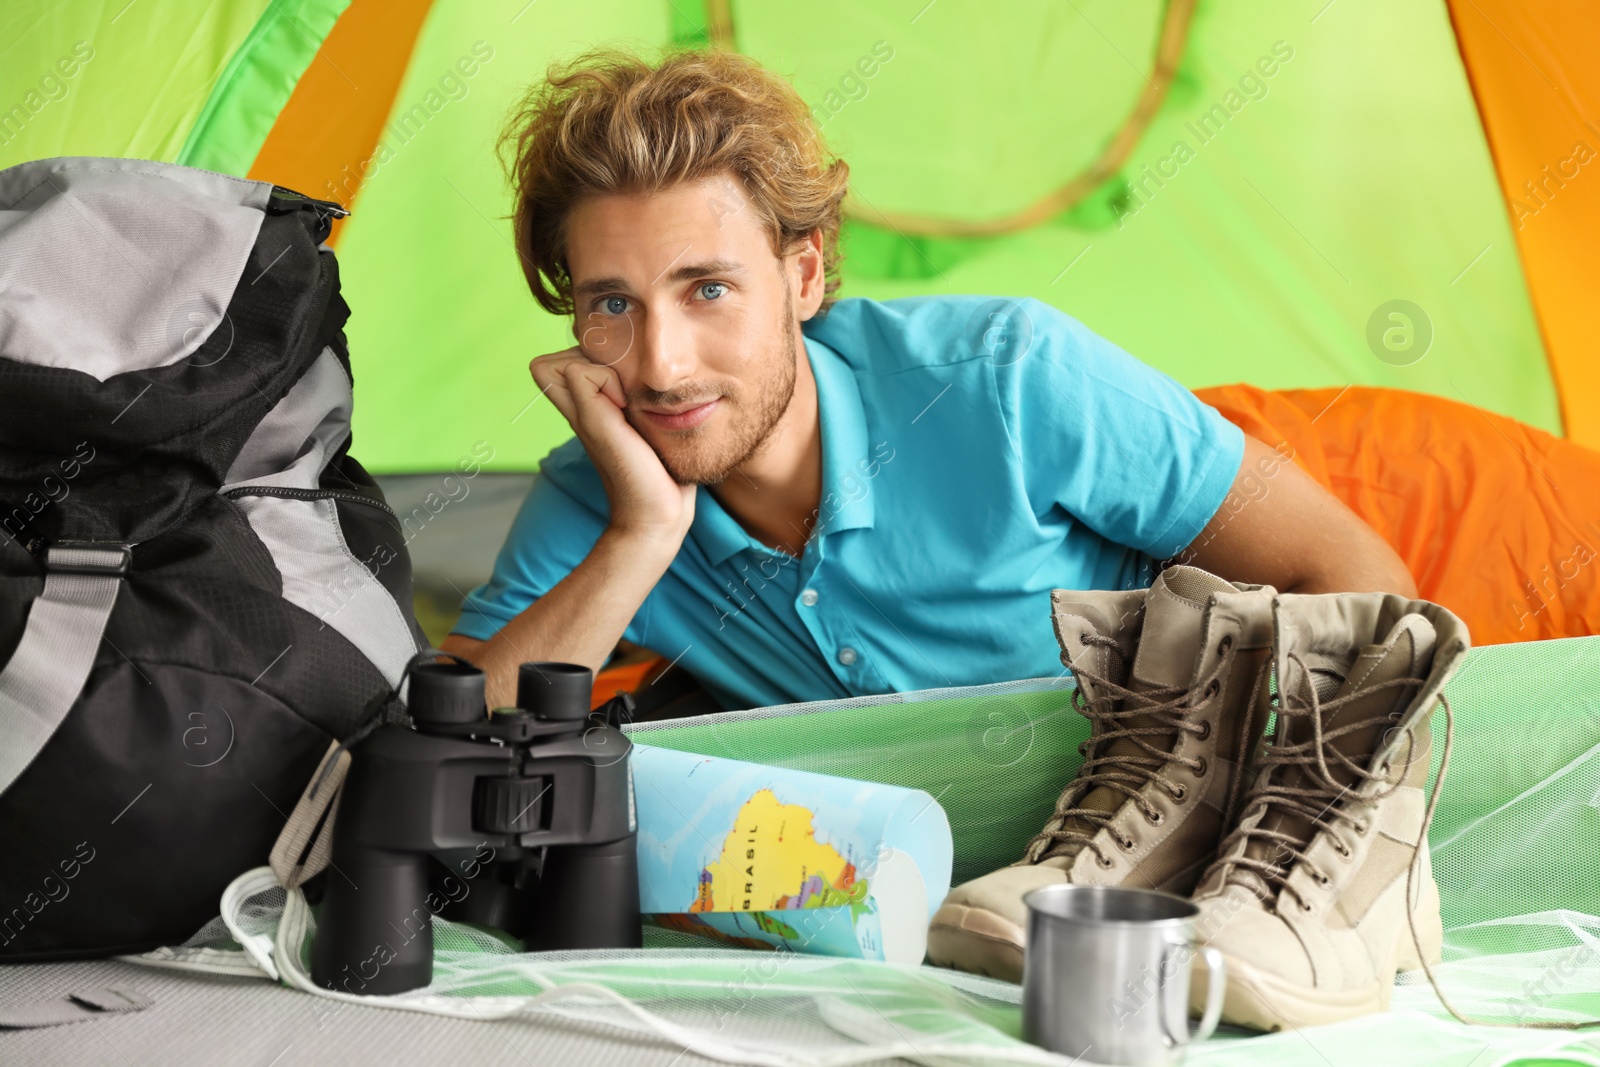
<point>610,122</point>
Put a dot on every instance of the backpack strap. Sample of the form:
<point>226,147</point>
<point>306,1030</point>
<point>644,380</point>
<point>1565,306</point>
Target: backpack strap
<point>52,661</point>
<point>305,845</point>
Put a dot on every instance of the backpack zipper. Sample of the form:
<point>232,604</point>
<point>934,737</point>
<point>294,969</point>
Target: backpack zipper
<point>290,493</point>
<point>320,301</point>
<point>283,200</point>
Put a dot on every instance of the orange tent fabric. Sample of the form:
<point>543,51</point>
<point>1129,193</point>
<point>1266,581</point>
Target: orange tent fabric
<point>1497,521</point>
<point>324,139</point>
<point>1537,85</point>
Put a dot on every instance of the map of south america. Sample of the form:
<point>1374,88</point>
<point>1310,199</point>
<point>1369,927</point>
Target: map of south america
<point>771,860</point>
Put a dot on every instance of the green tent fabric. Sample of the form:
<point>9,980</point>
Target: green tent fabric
<point>1261,220</point>
<point>197,85</point>
<point>1242,267</point>
<point>253,88</point>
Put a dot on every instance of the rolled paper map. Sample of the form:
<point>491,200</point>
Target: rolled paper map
<point>772,858</point>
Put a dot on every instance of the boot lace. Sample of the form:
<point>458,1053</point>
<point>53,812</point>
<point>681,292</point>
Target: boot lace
<point>1127,773</point>
<point>1317,799</point>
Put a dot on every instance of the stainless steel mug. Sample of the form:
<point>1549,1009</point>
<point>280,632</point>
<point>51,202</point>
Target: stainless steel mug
<point>1106,974</point>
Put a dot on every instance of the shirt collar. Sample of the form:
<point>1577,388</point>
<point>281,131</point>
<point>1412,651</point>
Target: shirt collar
<point>846,497</point>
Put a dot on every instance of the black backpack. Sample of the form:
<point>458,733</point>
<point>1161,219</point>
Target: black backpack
<point>200,587</point>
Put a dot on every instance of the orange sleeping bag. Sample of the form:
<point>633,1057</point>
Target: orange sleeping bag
<point>1497,521</point>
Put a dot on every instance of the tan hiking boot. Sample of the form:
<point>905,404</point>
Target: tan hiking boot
<point>1173,682</point>
<point>1308,900</point>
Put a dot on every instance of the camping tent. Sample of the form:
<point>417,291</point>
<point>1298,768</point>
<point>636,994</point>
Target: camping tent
<point>1245,184</point>
<point>1233,191</point>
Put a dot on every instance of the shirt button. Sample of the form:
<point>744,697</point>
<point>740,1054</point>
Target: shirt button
<point>809,597</point>
<point>847,655</point>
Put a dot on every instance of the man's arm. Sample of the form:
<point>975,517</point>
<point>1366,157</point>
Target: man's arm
<point>1278,527</point>
<point>582,616</point>
<point>579,620</point>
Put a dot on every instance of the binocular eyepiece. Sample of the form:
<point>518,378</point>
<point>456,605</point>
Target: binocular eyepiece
<point>452,694</point>
<point>533,803</point>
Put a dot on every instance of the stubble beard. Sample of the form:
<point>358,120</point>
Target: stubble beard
<point>695,460</point>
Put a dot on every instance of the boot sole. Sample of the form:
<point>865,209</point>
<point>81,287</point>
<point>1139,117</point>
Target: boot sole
<point>1263,1001</point>
<point>976,940</point>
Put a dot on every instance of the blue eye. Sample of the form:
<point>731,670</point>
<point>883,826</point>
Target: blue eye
<point>714,285</point>
<point>610,304</point>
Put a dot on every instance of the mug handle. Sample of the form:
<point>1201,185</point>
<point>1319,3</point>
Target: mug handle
<point>1216,988</point>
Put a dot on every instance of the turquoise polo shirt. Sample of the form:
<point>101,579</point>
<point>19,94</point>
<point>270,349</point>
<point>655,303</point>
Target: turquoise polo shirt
<point>976,453</point>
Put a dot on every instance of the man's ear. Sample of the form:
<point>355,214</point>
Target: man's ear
<point>807,259</point>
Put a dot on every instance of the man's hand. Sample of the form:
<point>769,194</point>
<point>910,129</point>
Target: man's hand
<point>644,497</point>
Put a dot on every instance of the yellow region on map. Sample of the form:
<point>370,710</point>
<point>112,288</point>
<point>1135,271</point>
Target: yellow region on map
<point>772,860</point>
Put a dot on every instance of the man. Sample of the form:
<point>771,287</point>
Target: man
<point>796,498</point>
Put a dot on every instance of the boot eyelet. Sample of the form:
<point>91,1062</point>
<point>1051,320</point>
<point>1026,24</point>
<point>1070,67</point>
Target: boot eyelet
<point>1225,644</point>
<point>1305,907</point>
<point>1320,878</point>
<point>1179,794</point>
<point>1343,851</point>
<point>1154,817</point>
<point>1127,844</point>
<point>1205,730</point>
<point>1200,771</point>
<point>1213,689</point>
<point>1362,828</point>
<point>1104,861</point>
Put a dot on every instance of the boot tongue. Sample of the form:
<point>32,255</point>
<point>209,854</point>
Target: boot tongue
<point>1405,652</point>
<point>1174,615</point>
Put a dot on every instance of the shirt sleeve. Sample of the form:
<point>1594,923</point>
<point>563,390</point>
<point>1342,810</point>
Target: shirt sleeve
<point>1122,447</point>
<point>552,533</point>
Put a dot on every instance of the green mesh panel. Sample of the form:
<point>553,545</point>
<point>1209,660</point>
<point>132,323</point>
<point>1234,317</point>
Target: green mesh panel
<point>1526,752</point>
<point>1512,839</point>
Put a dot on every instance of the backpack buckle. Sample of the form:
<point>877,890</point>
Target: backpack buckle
<point>106,559</point>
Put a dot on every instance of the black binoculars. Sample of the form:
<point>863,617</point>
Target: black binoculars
<point>521,818</point>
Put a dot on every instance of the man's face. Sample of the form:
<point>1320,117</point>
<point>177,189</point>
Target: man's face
<point>682,293</point>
